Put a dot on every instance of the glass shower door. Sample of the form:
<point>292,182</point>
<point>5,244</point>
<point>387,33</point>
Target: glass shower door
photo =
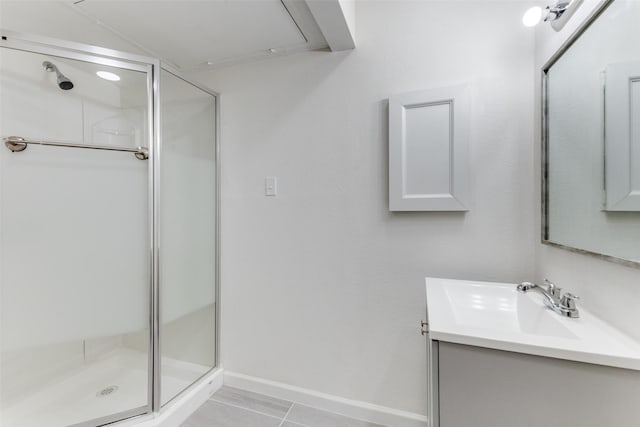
<point>74,241</point>
<point>187,234</point>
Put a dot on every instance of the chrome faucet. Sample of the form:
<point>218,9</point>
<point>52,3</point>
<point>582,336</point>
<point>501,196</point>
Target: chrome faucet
<point>563,304</point>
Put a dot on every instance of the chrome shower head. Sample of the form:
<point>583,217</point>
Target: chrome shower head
<point>63,82</point>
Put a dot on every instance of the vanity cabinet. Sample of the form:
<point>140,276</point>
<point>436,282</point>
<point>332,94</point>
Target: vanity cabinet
<point>480,387</point>
<point>501,358</point>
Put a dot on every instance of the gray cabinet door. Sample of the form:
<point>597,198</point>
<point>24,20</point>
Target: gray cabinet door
<point>490,388</point>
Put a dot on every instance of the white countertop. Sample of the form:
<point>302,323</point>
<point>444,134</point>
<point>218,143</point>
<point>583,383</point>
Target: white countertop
<point>496,315</point>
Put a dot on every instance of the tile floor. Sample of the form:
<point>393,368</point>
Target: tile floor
<point>231,407</point>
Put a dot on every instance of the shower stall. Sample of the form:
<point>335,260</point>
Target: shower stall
<point>108,234</point>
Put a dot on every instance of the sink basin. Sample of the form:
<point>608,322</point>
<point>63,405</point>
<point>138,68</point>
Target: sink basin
<point>496,315</point>
<point>480,305</point>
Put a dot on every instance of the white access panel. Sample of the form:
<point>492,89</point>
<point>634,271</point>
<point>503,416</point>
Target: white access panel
<point>428,150</point>
<point>622,137</point>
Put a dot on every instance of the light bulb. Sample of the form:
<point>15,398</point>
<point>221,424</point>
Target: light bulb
<point>532,16</point>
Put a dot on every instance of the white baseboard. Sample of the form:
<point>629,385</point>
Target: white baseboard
<point>350,408</point>
<point>177,411</point>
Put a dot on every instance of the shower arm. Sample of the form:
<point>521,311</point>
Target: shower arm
<point>18,143</point>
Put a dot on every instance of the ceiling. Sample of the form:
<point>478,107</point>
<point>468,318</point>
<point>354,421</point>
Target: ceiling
<point>188,34</point>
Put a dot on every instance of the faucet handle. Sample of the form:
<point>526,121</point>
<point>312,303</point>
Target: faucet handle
<point>552,288</point>
<point>569,300</point>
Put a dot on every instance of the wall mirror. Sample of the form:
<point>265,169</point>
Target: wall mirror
<point>591,137</point>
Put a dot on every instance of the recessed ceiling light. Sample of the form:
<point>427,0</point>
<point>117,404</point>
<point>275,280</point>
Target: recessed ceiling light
<point>108,76</point>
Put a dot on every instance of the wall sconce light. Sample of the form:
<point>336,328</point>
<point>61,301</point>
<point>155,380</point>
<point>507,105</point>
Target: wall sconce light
<point>556,15</point>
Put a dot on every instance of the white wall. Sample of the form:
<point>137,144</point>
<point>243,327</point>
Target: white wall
<point>609,290</point>
<point>323,286</point>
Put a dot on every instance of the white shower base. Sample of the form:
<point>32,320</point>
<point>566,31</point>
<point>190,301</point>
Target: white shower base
<point>75,398</point>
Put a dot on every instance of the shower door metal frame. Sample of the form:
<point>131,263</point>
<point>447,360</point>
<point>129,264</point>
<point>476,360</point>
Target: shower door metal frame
<point>109,57</point>
<point>153,67</point>
<point>216,96</point>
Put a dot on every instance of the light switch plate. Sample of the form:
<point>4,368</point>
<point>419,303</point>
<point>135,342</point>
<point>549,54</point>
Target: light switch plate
<point>271,186</point>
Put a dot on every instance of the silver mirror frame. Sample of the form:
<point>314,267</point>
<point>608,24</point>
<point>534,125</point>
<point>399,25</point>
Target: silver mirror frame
<point>545,141</point>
